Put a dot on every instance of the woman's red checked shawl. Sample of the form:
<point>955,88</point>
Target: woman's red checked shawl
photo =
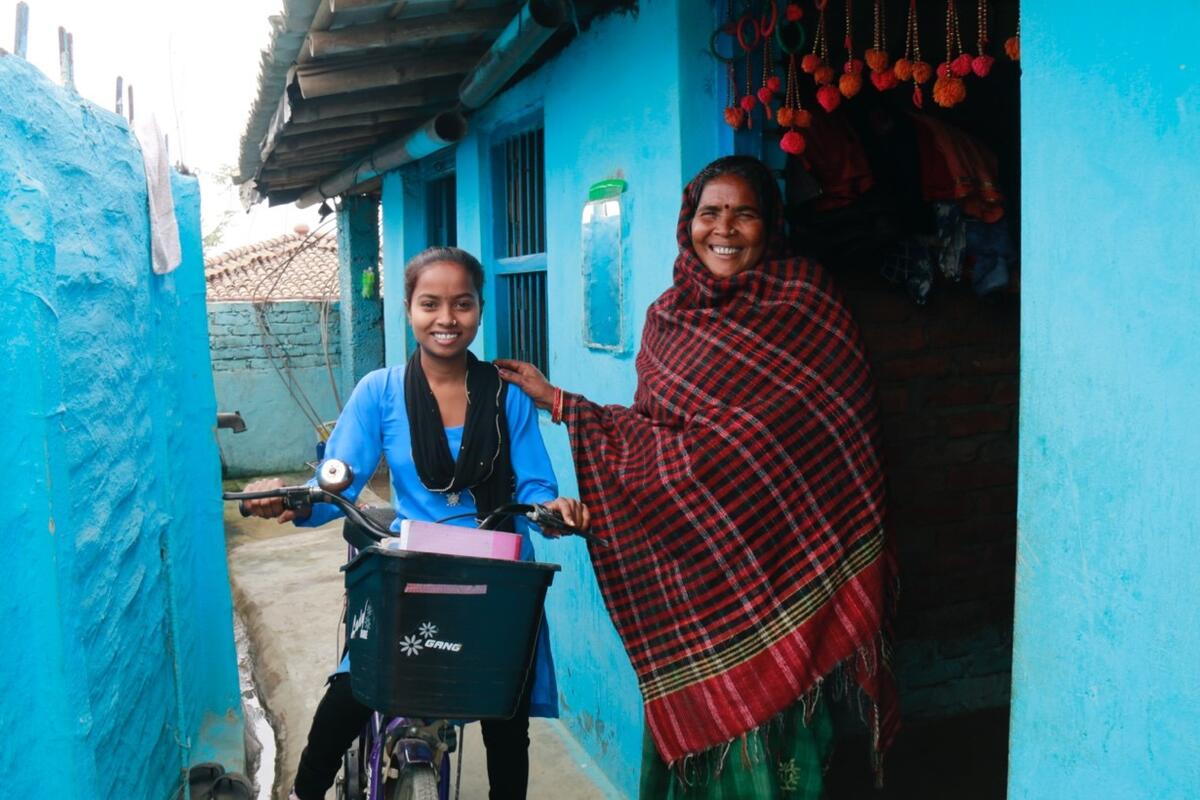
<point>743,500</point>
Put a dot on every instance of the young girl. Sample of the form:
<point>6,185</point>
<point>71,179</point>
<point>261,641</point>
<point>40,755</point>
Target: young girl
<point>457,439</point>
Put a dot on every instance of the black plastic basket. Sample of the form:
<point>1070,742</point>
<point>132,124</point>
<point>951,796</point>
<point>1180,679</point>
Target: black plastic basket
<point>442,636</point>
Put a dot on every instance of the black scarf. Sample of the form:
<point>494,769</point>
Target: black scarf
<point>482,465</point>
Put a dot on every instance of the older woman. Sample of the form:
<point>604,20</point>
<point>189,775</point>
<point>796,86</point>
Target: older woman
<point>743,498</point>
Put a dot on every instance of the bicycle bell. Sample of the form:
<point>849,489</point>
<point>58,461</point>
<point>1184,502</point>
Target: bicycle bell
<point>334,476</point>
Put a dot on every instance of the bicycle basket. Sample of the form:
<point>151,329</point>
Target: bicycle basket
<point>442,636</point>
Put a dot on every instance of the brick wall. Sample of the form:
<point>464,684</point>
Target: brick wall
<point>947,376</point>
<point>237,339</point>
<point>279,436</point>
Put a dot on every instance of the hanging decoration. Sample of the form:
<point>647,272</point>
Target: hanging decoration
<point>981,65</point>
<point>791,115</point>
<point>817,63</point>
<point>1012,45</point>
<point>735,116</point>
<point>793,12</point>
<point>877,56</point>
<point>949,89</point>
<point>749,99</point>
<point>912,66</point>
<point>770,81</point>
<point>850,83</point>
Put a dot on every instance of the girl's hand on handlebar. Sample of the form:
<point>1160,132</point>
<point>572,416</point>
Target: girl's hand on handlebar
<point>269,507</point>
<point>530,379</point>
<point>573,512</point>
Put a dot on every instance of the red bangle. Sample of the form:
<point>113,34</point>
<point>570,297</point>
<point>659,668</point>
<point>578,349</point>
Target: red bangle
<point>556,406</point>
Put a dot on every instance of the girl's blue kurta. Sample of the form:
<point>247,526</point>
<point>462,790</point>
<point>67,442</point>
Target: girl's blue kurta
<point>375,421</point>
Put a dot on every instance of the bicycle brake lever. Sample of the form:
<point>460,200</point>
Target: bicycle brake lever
<point>551,519</point>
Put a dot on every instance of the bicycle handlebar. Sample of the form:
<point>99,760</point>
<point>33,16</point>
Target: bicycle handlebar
<point>333,478</point>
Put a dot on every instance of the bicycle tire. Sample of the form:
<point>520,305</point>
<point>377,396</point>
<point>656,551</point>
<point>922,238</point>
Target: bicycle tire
<point>417,782</point>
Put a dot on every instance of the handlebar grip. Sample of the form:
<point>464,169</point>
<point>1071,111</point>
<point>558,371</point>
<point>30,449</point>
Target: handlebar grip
<point>245,512</point>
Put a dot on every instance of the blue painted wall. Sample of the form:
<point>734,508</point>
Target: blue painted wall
<point>651,116</point>
<point>119,664</point>
<point>1106,702</point>
<point>261,384</point>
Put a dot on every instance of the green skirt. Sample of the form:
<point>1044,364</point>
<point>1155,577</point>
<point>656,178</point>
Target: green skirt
<point>785,759</point>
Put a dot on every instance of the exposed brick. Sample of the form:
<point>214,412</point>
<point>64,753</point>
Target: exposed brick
<point>976,476</point>
<point>929,365</point>
<point>889,339</point>
<point>984,420</point>
<point>1006,391</point>
<point>947,394</point>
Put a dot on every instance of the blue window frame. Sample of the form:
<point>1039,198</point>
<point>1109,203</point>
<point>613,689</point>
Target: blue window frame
<point>522,328</point>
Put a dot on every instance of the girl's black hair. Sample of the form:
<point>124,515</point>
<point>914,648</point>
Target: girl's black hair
<point>433,255</point>
<point>749,169</point>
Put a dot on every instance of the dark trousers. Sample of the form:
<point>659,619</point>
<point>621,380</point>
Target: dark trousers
<point>340,718</point>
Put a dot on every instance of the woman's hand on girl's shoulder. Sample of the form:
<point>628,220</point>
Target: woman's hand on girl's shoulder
<point>529,378</point>
<point>574,512</point>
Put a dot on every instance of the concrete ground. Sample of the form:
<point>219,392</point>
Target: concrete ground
<point>288,591</point>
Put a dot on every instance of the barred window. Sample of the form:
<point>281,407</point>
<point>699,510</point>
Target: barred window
<point>521,261</point>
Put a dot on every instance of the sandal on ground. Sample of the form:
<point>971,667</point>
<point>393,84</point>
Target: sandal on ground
<point>232,786</point>
<point>201,778</point>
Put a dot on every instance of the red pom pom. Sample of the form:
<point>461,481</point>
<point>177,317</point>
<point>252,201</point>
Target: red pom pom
<point>943,70</point>
<point>824,74</point>
<point>793,12</point>
<point>982,65</point>
<point>850,85</point>
<point>774,84</point>
<point>877,60</point>
<point>802,118</point>
<point>829,97</point>
<point>949,91</point>
<point>810,63</point>
<point>853,67</point>
<point>918,98</point>
<point>785,116</point>
<point>884,80</point>
<point>747,103</point>
<point>1012,48</point>
<point>902,69</point>
<point>734,116</point>
<point>792,143</point>
<point>921,72</point>
<point>961,66</point>
<point>765,95</point>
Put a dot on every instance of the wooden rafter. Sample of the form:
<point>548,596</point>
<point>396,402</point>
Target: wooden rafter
<point>395,33</point>
<point>353,75</point>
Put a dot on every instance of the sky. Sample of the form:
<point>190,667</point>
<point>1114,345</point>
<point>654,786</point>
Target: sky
<point>194,65</point>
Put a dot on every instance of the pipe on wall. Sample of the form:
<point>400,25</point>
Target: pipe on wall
<point>516,44</point>
<point>444,129</point>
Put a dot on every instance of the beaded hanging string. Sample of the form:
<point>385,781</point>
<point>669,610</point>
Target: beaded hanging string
<point>770,81</point>
<point>1012,45</point>
<point>877,54</point>
<point>981,65</point>
<point>817,63</point>
<point>734,115</point>
<point>949,89</point>
<point>912,66</point>
<point>850,83</point>
<point>791,114</point>
<point>749,99</point>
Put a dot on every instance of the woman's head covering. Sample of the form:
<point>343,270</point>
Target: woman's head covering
<point>689,267</point>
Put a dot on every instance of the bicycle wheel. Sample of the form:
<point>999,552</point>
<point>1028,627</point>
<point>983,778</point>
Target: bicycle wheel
<point>417,782</point>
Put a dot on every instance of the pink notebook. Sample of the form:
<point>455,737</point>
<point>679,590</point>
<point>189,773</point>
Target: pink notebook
<point>455,540</point>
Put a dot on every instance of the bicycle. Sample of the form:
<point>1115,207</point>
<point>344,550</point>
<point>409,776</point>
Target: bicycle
<point>412,596</point>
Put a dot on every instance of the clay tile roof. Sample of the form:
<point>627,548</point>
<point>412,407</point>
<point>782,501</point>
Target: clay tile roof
<point>292,267</point>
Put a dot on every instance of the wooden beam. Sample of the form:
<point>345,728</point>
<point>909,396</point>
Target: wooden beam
<point>325,79</point>
<point>355,121</point>
<point>328,140</point>
<point>441,90</point>
<point>419,30</point>
<point>338,6</point>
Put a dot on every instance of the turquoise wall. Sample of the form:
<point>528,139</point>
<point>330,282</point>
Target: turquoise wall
<point>263,385</point>
<point>120,667</point>
<point>632,97</point>
<point>1106,702</point>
